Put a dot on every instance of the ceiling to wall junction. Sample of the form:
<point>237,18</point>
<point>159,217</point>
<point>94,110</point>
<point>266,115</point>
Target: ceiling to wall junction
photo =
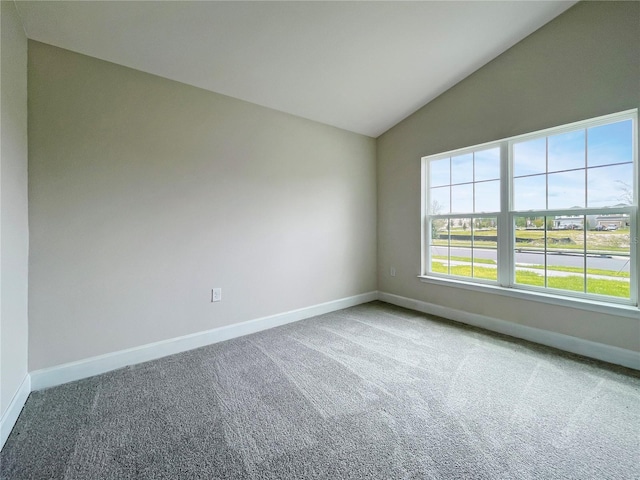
<point>361,66</point>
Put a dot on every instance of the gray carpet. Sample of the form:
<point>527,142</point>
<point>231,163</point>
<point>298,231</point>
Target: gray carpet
<point>372,391</point>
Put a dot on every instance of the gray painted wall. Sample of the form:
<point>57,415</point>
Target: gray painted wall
<point>146,193</point>
<point>584,63</point>
<point>14,232</point>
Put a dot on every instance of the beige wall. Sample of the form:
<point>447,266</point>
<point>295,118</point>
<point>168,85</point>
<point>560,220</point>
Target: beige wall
<point>583,64</point>
<point>14,233</point>
<point>146,193</point>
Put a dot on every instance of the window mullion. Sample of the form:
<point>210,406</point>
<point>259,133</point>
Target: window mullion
<point>505,221</point>
<point>634,255</point>
<point>426,238</point>
<point>584,250</point>
<point>634,220</point>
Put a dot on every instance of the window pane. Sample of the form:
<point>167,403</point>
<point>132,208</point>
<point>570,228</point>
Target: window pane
<point>608,257</point>
<point>439,172</point>
<point>485,253</point>
<point>529,250</point>
<point>611,143</point>
<point>439,198</point>
<point>610,186</point>
<point>487,196</point>
<point>461,247</point>
<point>529,193</point>
<point>530,157</point>
<point>565,253</point>
<point>440,232</point>
<point>461,232</point>
<point>462,198</point>
<point>465,247</point>
<point>566,190</point>
<point>487,164</point>
<point>439,246</point>
<point>566,151</point>
<point>462,168</point>
<point>440,259</point>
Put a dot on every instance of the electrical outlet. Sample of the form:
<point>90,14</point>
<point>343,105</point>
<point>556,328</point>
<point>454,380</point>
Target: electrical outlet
<point>216,295</point>
<point>392,271</point>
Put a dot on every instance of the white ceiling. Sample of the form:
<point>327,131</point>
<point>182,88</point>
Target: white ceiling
<point>361,66</point>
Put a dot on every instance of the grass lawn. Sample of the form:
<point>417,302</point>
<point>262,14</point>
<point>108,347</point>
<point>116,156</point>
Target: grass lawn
<point>613,288</point>
<point>466,259</point>
<point>465,271</point>
<point>590,271</point>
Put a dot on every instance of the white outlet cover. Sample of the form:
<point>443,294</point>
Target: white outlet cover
<point>216,295</point>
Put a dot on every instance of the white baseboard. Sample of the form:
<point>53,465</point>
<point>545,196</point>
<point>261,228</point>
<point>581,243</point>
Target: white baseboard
<point>599,351</point>
<point>12,412</point>
<point>69,372</point>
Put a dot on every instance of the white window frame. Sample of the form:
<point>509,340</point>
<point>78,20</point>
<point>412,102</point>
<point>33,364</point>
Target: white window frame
<point>505,284</point>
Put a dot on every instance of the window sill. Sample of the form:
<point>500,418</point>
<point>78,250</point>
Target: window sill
<point>629,311</point>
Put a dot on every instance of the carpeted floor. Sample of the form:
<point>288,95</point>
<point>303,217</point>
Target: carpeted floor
<point>372,391</point>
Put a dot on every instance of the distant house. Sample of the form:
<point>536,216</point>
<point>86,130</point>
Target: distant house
<point>568,222</point>
<point>612,221</point>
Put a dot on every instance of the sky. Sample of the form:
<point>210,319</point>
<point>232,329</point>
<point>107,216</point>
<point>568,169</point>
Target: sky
<point>580,168</point>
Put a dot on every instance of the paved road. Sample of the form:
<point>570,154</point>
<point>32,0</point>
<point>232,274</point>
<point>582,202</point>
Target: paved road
<point>617,263</point>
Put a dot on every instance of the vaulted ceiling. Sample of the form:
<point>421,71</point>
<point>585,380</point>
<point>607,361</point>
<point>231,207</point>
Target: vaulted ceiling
<point>361,66</point>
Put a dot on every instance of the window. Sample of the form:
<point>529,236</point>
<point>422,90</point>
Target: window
<point>553,212</point>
